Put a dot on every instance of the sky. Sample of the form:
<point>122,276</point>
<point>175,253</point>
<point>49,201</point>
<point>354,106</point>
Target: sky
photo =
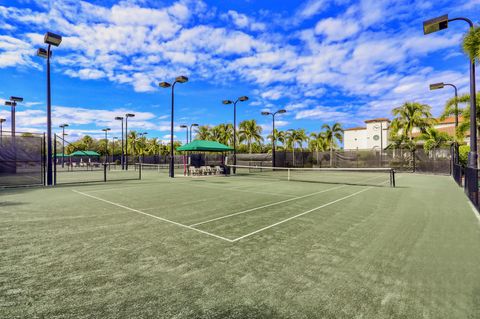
<point>323,61</point>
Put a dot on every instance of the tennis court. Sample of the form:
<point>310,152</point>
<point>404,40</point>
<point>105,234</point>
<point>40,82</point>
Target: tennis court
<point>255,245</point>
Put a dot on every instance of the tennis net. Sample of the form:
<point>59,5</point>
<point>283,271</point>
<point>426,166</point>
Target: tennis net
<point>347,176</point>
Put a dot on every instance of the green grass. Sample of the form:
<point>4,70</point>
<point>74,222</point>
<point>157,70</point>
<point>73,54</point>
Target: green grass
<point>406,252</point>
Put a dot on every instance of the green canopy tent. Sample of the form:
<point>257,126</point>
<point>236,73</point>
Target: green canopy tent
<point>203,146</point>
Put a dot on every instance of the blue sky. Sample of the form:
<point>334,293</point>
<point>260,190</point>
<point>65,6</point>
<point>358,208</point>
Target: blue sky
<point>324,61</point>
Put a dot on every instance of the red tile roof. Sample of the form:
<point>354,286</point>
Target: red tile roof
<point>380,119</point>
<point>358,128</point>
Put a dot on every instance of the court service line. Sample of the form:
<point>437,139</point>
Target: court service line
<point>150,215</point>
<point>268,205</point>
<point>301,214</point>
<point>276,203</point>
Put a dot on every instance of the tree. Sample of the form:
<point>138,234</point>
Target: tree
<point>471,44</point>
<point>203,133</point>
<point>317,143</point>
<point>464,111</point>
<point>332,134</point>
<point>433,138</point>
<point>412,115</point>
<point>154,146</point>
<point>250,132</point>
<point>295,136</point>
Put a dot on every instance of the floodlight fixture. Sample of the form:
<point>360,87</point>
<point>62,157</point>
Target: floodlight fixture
<point>106,129</point>
<point>183,126</point>
<point>181,79</point>
<point>10,103</point>
<point>435,24</point>
<point>2,120</point>
<point>266,113</point>
<point>226,102</point>
<point>194,124</point>
<point>436,86</point>
<point>119,118</point>
<point>281,111</point>
<point>63,125</point>
<point>41,52</point>
<point>243,98</point>
<point>164,85</point>
<point>52,39</point>
<point>16,99</point>
<point>129,115</point>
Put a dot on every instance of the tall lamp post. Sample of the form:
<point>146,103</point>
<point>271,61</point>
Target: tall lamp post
<point>186,128</point>
<point>226,102</point>
<point>441,85</point>
<point>126,138</point>
<point>274,140</point>
<point>106,142</point>
<point>113,149</point>
<point>63,126</point>
<point>179,79</point>
<point>120,118</point>
<point>194,124</point>
<point>55,40</point>
<point>440,23</point>
<point>13,103</point>
<point>1,129</point>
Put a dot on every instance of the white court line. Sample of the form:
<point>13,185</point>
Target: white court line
<point>241,190</point>
<point>277,203</point>
<point>268,205</point>
<point>150,215</point>
<point>474,210</point>
<point>301,214</point>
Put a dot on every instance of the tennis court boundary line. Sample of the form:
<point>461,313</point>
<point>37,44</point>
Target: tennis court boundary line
<point>474,210</point>
<point>277,203</point>
<point>152,216</point>
<point>301,214</point>
<point>265,206</point>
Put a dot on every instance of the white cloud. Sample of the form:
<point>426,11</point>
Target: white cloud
<point>337,29</point>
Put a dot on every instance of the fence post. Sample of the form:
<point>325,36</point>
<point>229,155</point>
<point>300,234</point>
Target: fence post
<point>54,159</point>
<point>104,172</point>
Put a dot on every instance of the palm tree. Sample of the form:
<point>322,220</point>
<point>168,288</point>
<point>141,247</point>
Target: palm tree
<point>295,136</point>
<point>251,132</point>
<point>434,138</point>
<point>332,134</point>
<point>412,115</point>
<point>203,133</point>
<point>216,134</point>
<point>153,146</point>
<point>464,125</point>
<point>318,143</point>
<point>471,44</point>
<point>226,133</point>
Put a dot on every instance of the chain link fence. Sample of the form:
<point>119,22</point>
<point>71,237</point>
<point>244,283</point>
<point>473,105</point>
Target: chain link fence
<point>21,159</point>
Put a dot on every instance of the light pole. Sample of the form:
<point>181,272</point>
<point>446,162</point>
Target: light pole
<point>226,102</point>
<point>440,23</point>
<point>179,79</point>
<point>13,103</point>
<point>141,158</point>
<point>55,40</point>
<point>274,140</point>
<point>120,118</point>
<point>186,128</point>
<point>106,142</point>
<point>194,124</point>
<point>113,149</point>
<point>441,85</point>
<point>1,129</point>
<point>63,126</point>
<point>126,138</point>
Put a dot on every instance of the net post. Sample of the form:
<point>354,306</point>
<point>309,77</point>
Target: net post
<point>392,178</point>
<point>104,172</point>
<point>288,173</point>
<point>140,171</point>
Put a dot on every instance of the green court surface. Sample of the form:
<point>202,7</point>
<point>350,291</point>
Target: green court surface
<point>240,247</point>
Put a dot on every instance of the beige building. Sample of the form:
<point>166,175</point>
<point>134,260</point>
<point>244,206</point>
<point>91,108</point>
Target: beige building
<point>374,135</point>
